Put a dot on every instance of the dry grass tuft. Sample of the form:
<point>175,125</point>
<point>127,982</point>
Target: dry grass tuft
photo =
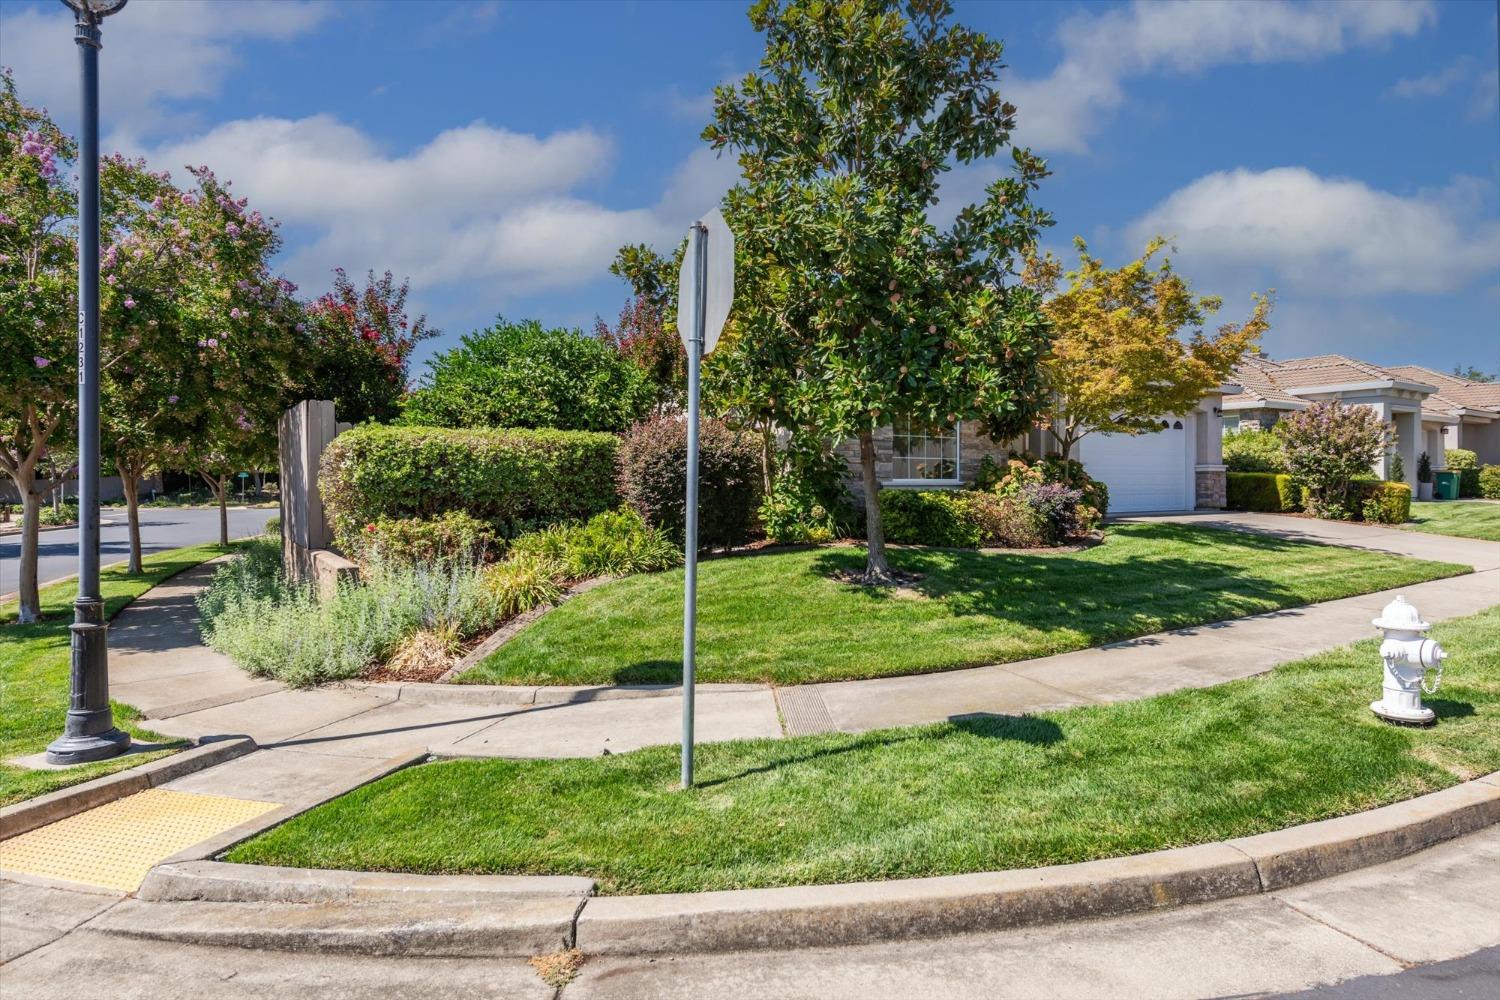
<point>559,968</point>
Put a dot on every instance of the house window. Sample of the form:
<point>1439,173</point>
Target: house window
<point>923,454</point>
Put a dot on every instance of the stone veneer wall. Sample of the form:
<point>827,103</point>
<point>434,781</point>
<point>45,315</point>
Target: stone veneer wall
<point>1211,488</point>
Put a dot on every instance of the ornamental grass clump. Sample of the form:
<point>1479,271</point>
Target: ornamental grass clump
<point>615,543</point>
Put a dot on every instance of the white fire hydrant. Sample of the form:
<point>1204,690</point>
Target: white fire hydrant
<point>1408,655</point>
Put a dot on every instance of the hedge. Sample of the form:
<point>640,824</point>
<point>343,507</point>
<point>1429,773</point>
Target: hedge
<point>1489,482</point>
<point>510,479</point>
<point>1390,503</point>
<point>1266,492</point>
<point>928,517</point>
<point>652,479</point>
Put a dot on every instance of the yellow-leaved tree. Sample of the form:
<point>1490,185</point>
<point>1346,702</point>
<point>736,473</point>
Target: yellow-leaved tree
<point>1128,344</point>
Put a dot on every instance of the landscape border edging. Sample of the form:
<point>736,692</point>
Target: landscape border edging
<point>25,816</point>
<point>898,909</point>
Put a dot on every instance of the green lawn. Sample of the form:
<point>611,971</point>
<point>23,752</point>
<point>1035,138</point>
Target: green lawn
<point>782,617</point>
<point>1464,518</point>
<point>1292,746</point>
<point>34,663</point>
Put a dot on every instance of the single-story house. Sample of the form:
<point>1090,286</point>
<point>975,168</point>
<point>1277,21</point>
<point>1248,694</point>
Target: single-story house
<point>1428,411</point>
<point>1178,468</point>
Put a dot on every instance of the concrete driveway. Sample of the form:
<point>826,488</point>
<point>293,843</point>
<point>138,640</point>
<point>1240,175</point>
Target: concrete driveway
<point>162,528</point>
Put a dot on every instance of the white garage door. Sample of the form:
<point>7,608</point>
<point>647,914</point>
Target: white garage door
<point>1144,472</point>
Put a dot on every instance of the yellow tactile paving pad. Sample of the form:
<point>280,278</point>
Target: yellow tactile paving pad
<point>115,845</point>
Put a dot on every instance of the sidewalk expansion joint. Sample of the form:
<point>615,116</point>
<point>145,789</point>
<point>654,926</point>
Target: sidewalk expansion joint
<point>1339,930</point>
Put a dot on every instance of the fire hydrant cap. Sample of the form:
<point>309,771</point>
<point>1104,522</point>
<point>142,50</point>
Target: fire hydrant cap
<point>1400,615</point>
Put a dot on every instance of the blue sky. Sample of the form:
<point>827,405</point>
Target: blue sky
<point>1346,154</point>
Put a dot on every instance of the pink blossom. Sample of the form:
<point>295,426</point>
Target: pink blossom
<point>232,229</point>
<point>202,342</point>
<point>129,303</point>
<point>301,327</point>
<point>40,362</point>
<point>171,399</point>
<point>213,341</point>
<point>111,280</point>
<point>234,314</point>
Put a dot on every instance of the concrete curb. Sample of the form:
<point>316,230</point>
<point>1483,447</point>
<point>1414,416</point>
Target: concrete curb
<point>393,911</point>
<point>24,816</point>
<point>479,695</point>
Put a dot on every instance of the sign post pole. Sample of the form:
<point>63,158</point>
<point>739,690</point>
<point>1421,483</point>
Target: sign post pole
<point>705,288</point>
<point>698,248</point>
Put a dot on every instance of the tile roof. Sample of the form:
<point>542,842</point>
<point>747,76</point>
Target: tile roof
<point>1265,380</point>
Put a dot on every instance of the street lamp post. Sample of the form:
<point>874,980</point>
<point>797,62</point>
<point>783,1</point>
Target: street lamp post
<point>90,732</point>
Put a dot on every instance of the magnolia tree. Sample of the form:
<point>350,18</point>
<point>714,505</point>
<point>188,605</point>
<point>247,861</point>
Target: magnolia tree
<point>38,296</point>
<point>1329,445</point>
<point>360,343</point>
<point>854,308</point>
<point>1119,360</point>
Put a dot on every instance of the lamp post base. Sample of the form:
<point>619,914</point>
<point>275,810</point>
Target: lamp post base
<point>83,749</point>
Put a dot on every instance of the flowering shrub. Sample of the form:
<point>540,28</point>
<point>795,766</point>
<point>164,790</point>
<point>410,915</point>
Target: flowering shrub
<point>508,479</point>
<point>1020,471</point>
<point>1327,446</point>
<point>1059,507</point>
<point>1253,451</point>
<point>653,478</point>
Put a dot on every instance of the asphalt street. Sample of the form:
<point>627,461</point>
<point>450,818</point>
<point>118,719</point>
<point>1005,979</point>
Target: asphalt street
<point>162,528</point>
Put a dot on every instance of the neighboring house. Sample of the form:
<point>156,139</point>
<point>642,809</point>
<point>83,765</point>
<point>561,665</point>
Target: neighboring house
<point>1428,411</point>
<point>1177,468</point>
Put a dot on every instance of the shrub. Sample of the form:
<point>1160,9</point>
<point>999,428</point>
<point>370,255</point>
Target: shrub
<point>524,375</point>
<point>928,517</point>
<point>1253,451</point>
<point>273,628</point>
<point>1424,468</point>
<point>273,527</point>
<point>1489,482</point>
<point>1382,502</point>
<point>615,543</point>
<point>1059,508</point>
<point>1019,472</point>
<point>1461,458</point>
<point>1329,445</point>
<point>1041,514</point>
<point>509,479</point>
<point>1268,492</point>
<point>810,500</point>
<point>405,540</point>
<point>1468,482</point>
<point>1398,470</point>
<point>522,582</point>
<point>64,513</point>
<point>652,479</point>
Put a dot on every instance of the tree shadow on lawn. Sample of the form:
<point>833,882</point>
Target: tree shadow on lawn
<point>1019,728</point>
<point>1097,600</point>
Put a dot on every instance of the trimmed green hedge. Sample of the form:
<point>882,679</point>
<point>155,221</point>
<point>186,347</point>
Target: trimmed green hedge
<point>1489,482</point>
<point>1266,492</point>
<point>1468,482</point>
<point>1379,501</point>
<point>511,479</point>
<point>928,517</point>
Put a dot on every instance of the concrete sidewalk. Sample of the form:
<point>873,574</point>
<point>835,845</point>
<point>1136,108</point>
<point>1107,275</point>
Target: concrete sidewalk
<point>1388,921</point>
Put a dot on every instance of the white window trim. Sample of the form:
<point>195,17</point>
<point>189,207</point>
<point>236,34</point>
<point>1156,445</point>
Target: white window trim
<point>958,462</point>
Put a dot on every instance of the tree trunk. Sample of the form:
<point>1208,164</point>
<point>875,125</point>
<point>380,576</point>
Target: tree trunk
<point>768,455</point>
<point>220,487</point>
<point>31,509</point>
<point>877,570</point>
<point>131,487</point>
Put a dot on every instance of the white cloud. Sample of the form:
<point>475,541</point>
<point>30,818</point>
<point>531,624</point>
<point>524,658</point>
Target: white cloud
<point>478,207</point>
<point>1329,236</point>
<point>1100,52</point>
<point>156,52</point>
<point>1464,75</point>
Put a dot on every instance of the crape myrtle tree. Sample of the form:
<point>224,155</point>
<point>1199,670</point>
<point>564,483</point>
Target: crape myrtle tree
<point>202,325</point>
<point>38,307</point>
<point>359,344</point>
<point>646,331</point>
<point>1328,446</point>
<point>1119,361</point>
<point>866,308</point>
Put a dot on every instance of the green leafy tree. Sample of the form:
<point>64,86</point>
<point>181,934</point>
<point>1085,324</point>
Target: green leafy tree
<point>527,375</point>
<point>1473,374</point>
<point>854,307</point>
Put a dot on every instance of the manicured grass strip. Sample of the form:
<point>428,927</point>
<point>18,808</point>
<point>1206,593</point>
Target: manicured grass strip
<point>782,617</point>
<point>1295,745</point>
<point>34,664</point>
<point>1463,518</point>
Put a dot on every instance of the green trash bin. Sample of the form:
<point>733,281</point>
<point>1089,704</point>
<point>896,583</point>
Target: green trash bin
<point>1445,485</point>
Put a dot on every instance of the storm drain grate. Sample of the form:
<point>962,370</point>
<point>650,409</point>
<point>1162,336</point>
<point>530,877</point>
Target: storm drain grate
<point>116,844</point>
<point>803,710</point>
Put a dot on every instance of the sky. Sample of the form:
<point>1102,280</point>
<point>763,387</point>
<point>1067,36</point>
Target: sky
<point>498,153</point>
